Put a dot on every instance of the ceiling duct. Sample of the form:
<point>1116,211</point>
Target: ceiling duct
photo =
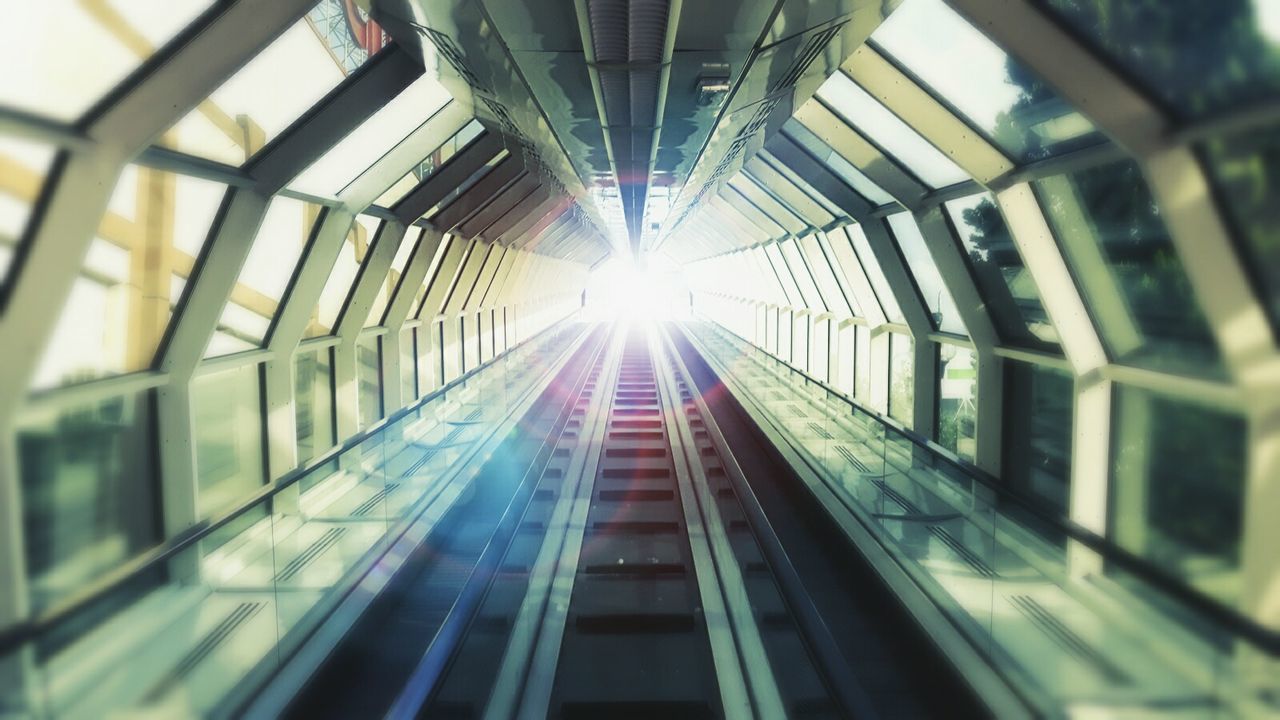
<point>629,45</point>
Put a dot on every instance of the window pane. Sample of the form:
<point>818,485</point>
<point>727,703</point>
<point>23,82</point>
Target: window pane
<point>801,183</point>
<point>1199,58</point>
<point>408,365</point>
<point>369,375</point>
<point>154,228</point>
<point>374,137</point>
<point>902,373</point>
<point>62,56</point>
<point>804,281</point>
<point>1005,100</point>
<point>465,185</point>
<point>873,120</point>
<point>264,277</point>
<point>1121,255</point>
<point>862,363</point>
<point>89,492</point>
<point>338,285</point>
<point>1008,289</point>
<point>957,400</point>
<point>430,164</point>
<point>936,296</point>
<point>23,166</point>
<point>262,99</point>
<point>1246,169</point>
<point>407,241</point>
<point>816,259</point>
<point>843,169</point>
<point>228,435</point>
<point>870,266</point>
<point>313,391</point>
<point>1178,488</point>
<point>1038,405</point>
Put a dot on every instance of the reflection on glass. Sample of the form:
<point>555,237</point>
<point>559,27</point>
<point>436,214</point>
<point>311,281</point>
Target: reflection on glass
<point>62,56</point>
<point>1121,255</point>
<point>929,281</point>
<point>369,377</point>
<point>121,303</point>
<point>875,276</point>
<point>264,276</point>
<point>89,492</point>
<point>902,374</point>
<point>874,121</point>
<point>1178,488</point>
<point>430,164</point>
<point>227,413</point>
<point>957,400</point>
<point>262,99</point>
<point>1038,416</point>
<point>23,166</point>
<point>1005,100</point>
<point>1199,58</point>
<point>833,161</point>
<point>1008,289</point>
<point>377,135</point>
<point>313,403</point>
<point>1246,168</point>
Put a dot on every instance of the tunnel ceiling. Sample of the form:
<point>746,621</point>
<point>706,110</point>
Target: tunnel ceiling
<point>641,108</point>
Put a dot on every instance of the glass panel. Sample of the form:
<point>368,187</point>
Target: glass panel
<point>154,228</point>
<point>313,403</point>
<point>23,166</point>
<point>430,164</point>
<point>902,373</point>
<point>1178,488</point>
<point>388,285</point>
<point>377,135</point>
<point>1008,289</point>
<point>800,271</point>
<point>862,363</point>
<point>263,98</point>
<point>62,56</point>
<point>227,412</point>
<point>1246,169</point>
<point>1001,97</point>
<point>1198,58</point>
<point>957,399</point>
<point>1038,403</point>
<point>1112,235</point>
<point>465,185</point>
<point>936,296</point>
<point>264,277</point>
<point>341,279</point>
<point>89,492</point>
<point>801,183</point>
<point>843,169</point>
<point>832,295</point>
<point>873,120</point>
<point>875,276</point>
<point>369,376</point>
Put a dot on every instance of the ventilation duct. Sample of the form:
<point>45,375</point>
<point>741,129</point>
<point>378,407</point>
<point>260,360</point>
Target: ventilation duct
<point>630,44</point>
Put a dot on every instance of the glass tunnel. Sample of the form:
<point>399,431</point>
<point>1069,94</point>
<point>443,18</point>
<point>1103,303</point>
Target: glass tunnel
<point>640,358</point>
